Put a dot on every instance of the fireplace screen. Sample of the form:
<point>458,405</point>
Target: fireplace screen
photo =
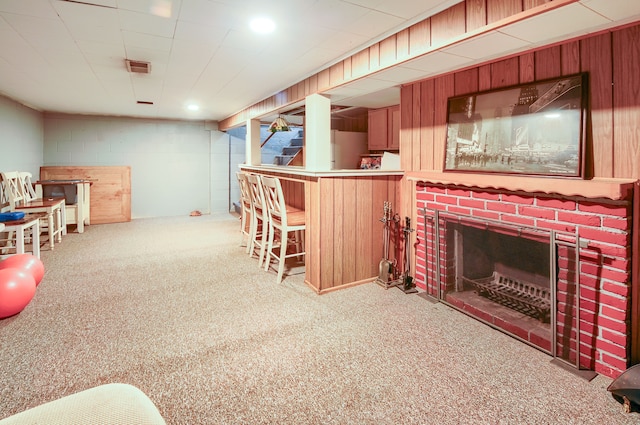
<point>518,279</point>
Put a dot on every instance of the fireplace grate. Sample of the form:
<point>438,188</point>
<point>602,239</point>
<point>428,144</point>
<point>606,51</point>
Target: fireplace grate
<point>525,297</point>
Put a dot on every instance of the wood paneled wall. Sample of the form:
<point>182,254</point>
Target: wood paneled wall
<point>613,121</point>
<point>346,241</point>
<point>424,36</point>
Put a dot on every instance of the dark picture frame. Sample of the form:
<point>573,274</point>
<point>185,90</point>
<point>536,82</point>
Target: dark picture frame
<point>536,128</point>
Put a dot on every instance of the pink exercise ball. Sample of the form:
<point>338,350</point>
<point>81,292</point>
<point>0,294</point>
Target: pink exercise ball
<point>17,289</point>
<point>26,262</point>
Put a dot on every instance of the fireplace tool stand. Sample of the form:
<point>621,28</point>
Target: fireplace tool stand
<point>387,268</point>
<point>408,286</point>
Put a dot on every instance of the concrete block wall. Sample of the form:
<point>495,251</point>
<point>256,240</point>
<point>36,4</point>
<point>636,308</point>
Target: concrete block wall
<point>176,166</point>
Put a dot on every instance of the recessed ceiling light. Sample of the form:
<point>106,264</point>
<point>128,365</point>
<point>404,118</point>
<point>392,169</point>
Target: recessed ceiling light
<point>193,107</point>
<point>262,25</point>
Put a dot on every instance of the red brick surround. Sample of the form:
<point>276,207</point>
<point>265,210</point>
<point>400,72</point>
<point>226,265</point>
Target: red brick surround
<point>605,265</point>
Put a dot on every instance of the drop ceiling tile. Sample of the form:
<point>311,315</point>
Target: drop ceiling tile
<point>373,23</point>
<point>486,46</point>
<point>614,10</point>
<point>570,20</point>
<point>163,8</point>
<point>209,13</point>
<point>399,74</point>
<point>190,31</point>
<point>147,24</point>
<point>409,10</point>
<point>37,8</point>
<point>145,41</point>
<point>436,62</point>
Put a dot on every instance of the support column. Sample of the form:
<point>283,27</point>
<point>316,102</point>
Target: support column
<point>253,154</point>
<point>318,133</point>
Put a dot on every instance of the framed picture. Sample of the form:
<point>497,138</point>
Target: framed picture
<point>534,129</point>
<point>370,162</point>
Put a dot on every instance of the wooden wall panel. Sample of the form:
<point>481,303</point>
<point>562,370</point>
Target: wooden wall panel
<point>484,77</point>
<point>420,37</point>
<point>324,80</point>
<point>444,89</point>
<point>415,125</point>
<point>476,14</point>
<point>547,63</point>
<point>505,73</point>
<point>448,24</point>
<point>110,191</point>
<point>570,57</point>
<point>466,81</point>
<point>611,151</point>
<point>336,74</point>
<point>360,63</point>
<point>374,57</point>
<point>350,213</point>
<point>339,212</point>
<point>363,232</point>
<point>327,239</point>
<point>530,4</point>
<point>402,45</point>
<point>500,9</point>
<point>406,128</point>
<point>312,239</point>
<point>388,51</point>
<point>527,68</point>
<point>626,98</point>
<point>595,56</point>
<point>427,94</point>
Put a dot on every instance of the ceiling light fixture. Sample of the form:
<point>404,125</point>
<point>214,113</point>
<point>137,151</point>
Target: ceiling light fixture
<point>280,124</point>
<point>193,107</point>
<point>262,25</point>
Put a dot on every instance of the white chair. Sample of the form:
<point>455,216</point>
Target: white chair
<point>28,190</point>
<point>245,209</point>
<point>259,218</point>
<point>19,199</point>
<point>287,223</point>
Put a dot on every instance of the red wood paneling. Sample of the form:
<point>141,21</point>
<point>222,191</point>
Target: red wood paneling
<point>547,63</point>
<point>626,102</point>
<point>448,24</point>
<point>595,56</point>
<point>527,68</point>
<point>420,37</point>
<point>499,9</point>
<point>476,14</point>
<point>427,96</point>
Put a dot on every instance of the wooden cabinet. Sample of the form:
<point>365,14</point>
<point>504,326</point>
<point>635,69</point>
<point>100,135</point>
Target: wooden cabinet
<point>384,129</point>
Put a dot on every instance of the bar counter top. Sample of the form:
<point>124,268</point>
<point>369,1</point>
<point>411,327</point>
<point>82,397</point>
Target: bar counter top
<point>301,171</point>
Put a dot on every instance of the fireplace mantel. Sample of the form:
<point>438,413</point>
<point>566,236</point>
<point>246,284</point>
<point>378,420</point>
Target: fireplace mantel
<point>596,188</point>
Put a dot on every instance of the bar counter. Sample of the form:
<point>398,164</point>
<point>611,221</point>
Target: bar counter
<point>343,208</point>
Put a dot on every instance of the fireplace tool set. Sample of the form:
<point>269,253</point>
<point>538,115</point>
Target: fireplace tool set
<point>389,274</point>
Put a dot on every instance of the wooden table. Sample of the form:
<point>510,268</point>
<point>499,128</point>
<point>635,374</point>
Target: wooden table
<point>78,212</point>
<point>51,207</point>
<point>29,221</point>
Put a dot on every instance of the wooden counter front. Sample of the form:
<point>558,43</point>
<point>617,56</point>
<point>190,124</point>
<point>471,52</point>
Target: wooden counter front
<point>343,240</point>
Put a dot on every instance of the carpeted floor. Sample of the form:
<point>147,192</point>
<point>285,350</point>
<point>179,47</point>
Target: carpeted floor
<point>175,307</point>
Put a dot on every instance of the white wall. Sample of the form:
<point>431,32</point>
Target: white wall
<point>21,138</point>
<point>174,164</point>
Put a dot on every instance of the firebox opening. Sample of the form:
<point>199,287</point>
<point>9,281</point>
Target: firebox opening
<point>502,276</point>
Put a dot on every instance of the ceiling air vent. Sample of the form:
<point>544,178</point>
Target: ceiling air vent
<point>138,67</point>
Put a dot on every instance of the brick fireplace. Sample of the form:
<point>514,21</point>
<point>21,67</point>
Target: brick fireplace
<point>579,237</point>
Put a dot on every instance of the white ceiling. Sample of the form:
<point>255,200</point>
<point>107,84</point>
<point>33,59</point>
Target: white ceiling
<point>69,56</point>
